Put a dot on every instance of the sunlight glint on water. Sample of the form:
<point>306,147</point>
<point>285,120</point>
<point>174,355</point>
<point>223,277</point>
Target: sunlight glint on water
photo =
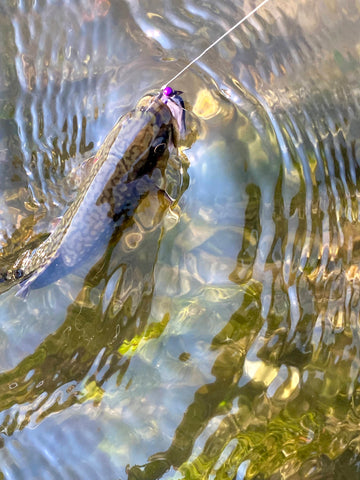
<point>225,345</point>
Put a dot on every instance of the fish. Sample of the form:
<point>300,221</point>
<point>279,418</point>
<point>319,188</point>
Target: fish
<point>119,175</point>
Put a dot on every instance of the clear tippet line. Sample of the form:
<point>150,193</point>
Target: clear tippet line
<point>216,41</point>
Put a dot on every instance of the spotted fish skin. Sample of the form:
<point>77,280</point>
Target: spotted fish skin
<point>140,142</point>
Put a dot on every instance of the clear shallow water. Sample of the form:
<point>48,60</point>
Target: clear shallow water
<point>227,346</point>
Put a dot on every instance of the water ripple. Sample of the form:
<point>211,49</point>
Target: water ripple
<point>249,366</point>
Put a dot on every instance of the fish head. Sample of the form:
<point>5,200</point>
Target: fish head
<point>172,103</point>
<point>160,122</point>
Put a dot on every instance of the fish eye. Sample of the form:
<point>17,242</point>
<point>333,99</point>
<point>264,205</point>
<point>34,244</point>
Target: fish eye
<point>160,145</point>
<point>160,148</point>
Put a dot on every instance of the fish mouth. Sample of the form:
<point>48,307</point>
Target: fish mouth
<point>176,106</point>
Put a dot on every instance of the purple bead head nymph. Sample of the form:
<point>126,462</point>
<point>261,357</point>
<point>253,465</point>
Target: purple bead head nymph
<point>168,91</point>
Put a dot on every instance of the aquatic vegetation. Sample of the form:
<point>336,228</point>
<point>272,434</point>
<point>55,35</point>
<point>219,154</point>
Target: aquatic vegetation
<point>226,347</point>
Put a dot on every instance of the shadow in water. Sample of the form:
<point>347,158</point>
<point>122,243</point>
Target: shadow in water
<point>111,308</point>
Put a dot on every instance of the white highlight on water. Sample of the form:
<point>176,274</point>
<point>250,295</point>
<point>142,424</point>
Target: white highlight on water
<point>216,41</point>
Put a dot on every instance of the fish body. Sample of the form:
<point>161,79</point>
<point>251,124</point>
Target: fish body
<point>139,143</point>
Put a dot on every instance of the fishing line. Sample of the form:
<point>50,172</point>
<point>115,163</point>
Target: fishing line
<point>216,42</point>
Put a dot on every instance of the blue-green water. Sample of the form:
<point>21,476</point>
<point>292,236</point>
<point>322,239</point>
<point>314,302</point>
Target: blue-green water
<point>223,345</point>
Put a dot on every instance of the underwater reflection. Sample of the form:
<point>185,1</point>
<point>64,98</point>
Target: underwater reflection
<point>283,400</point>
<point>285,384</point>
<point>110,311</point>
<point>286,375</point>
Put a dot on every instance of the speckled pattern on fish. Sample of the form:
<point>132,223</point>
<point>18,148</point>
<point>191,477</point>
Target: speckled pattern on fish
<point>140,142</point>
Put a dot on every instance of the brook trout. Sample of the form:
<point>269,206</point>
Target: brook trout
<point>140,142</point>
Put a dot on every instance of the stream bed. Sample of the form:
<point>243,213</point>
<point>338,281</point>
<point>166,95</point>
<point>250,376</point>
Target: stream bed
<point>224,344</point>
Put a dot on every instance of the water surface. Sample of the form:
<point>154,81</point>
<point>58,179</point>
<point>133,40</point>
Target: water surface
<point>223,345</point>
